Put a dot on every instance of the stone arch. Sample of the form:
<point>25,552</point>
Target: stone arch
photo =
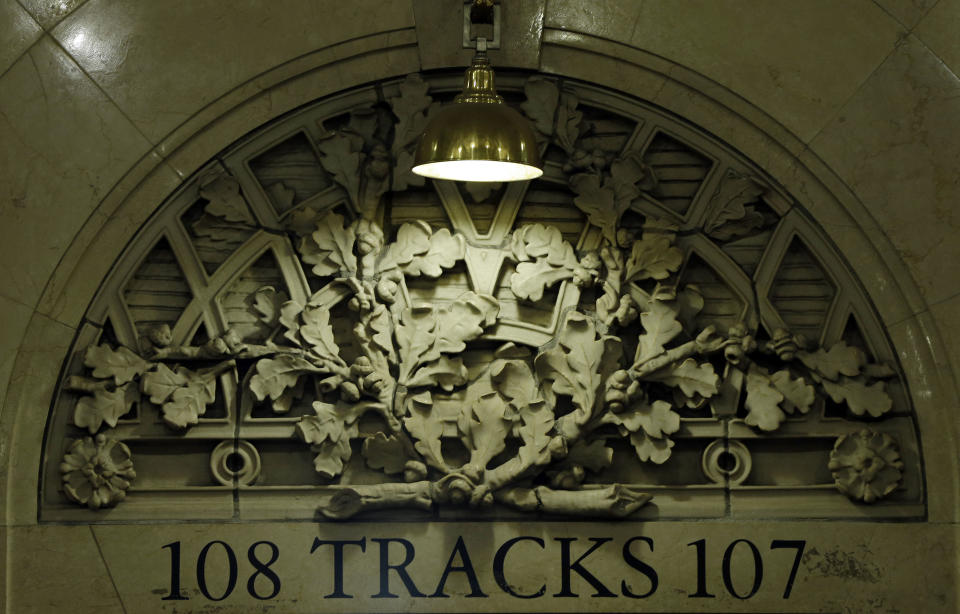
<point>705,98</point>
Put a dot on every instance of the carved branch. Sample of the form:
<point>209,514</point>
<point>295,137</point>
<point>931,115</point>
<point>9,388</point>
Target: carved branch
<point>347,502</point>
<point>614,501</point>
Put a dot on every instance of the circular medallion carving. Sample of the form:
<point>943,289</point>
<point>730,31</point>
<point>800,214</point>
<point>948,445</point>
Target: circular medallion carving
<point>726,461</point>
<point>235,461</point>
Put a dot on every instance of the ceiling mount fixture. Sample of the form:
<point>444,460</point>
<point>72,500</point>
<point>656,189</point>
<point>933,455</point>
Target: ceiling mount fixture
<point>478,137</point>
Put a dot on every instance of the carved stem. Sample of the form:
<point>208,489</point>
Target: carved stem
<point>78,383</point>
<point>703,344</point>
<point>614,501</point>
<point>347,502</point>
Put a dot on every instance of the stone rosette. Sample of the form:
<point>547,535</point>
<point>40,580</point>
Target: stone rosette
<point>866,465</point>
<point>97,471</point>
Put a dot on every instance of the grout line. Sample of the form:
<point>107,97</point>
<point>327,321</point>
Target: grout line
<point>96,84</point>
<point>840,108</point>
<point>106,566</point>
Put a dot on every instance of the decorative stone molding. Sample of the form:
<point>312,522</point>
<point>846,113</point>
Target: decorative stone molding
<point>97,471</point>
<point>543,347</point>
<point>866,465</point>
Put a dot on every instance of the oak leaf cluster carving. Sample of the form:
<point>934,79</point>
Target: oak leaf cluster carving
<point>628,359</point>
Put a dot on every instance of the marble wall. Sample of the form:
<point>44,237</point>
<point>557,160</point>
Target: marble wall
<point>106,106</point>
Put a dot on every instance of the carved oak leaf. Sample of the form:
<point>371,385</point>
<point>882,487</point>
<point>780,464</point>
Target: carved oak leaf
<point>629,175</point>
<point>426,429</point>
<point>597,202</point>
<point>763,401</point>
<point>333,455</point>
<point>303,221</point>
<point>656,419</point>
<point>420,251</point>
<point>363,122</point>
<point>318,333</point>
<point>445,372</point>
<point>413,238</point>
<point>375,335</point>
<point>554,261</point>
<point>577,367</point>
<point>329,434</point>
<point>660,326</point>
<point>330,247</point>
<point>342,159</point>
<point>484,428</point>
<point>654,256</point>
<point>385,453</point>
<point>568,122</point>
<point>541,242</point>
<point>403,175</point>
<point>268,303</point>
<point>859,397</point>
<point>734,216</point>
<point>839,359</point>
<point>651,448</point>
<point>595,456</point>
<point>284,402</point>
<point>120,364</point>
<point>189,403</point>
<point>411,108</point>
<point>531,279</point>
<point>541,103</point>
<point>278,378</point>
<point>692,379</point>
<point>161,383</point>
<point>515,382</point>
<point>425,332</point>
<point>226,202</point>
<point>104,406</point>
<point>289,318</point>
<point>444,252</point>
<point>689,305</point>
<point>536,432</point>
<point>797,394</point>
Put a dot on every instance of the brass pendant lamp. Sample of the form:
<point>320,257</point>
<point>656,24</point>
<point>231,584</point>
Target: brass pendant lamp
<point>478,137</point>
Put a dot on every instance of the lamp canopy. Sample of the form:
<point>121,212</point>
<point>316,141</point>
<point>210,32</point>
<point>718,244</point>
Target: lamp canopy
<point>478,137</point>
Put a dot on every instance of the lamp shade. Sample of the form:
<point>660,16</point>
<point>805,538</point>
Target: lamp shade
<point>478,137</point>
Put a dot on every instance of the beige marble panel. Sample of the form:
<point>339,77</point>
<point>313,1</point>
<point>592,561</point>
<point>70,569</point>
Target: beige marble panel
<point>50,12</point>
<point>164,61</point>
<point>907,12</point>
<point>799,61</point>
<point>286,87</point>
<point>614,20</point>
<point>58,569</point>
<point>850,567</point>
<point>62,147</point>
<point>938,31</point>
<point>18,31</point>
<point>15,317</point>
<point>613,65</point>
<point>895,144</point>
<point>440,32</point>
<point>23,418</point>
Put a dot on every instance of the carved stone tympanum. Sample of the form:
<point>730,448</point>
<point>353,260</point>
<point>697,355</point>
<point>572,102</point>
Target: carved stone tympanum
<point>649,318</point>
